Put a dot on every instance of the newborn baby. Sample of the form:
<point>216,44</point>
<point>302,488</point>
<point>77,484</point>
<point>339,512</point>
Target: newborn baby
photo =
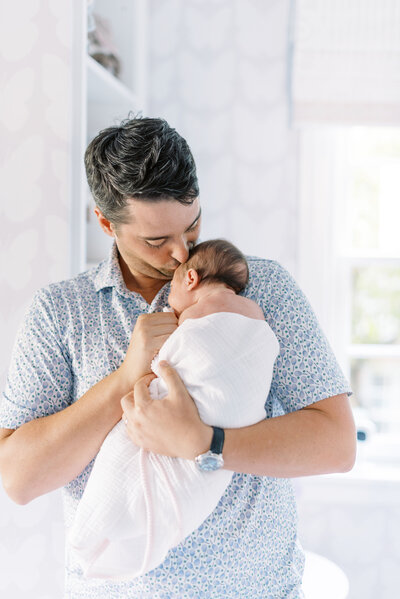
<point>137,505</point>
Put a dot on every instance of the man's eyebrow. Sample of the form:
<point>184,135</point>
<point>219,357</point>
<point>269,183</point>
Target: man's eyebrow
<point>167,236</point>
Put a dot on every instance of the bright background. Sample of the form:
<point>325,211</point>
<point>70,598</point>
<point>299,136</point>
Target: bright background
<point>294,164</point>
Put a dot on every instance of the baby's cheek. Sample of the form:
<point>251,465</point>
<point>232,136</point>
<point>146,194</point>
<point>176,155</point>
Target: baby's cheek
<point>172,298</point>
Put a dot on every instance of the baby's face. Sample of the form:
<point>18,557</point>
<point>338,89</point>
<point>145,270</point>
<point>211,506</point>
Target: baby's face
<point>179,298</point>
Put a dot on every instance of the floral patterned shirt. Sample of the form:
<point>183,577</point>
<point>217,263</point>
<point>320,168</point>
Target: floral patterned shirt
<point>77,331</point>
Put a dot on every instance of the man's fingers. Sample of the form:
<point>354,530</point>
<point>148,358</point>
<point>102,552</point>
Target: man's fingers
<point>164,329</point>
<point>159,317</point>
<point>162,339</point>
<point>127,402</point>
<point>171,378</point>
<point>146,379</point>
<point>141,389</point>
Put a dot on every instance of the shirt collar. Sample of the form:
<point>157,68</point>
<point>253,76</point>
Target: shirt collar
<point>109,274</point>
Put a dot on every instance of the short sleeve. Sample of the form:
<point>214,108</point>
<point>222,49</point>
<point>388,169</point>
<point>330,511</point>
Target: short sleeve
<point>306,369</point>
<point>39,380</point>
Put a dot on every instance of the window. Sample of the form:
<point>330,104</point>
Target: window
<point>349,250</point>
<point>371,250</point>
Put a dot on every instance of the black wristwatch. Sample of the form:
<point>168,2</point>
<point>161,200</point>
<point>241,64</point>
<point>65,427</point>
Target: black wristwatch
<point>212,459</point>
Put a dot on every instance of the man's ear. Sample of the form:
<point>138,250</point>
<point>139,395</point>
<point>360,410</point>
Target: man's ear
<point>104,223</point>
<point>192,279</point>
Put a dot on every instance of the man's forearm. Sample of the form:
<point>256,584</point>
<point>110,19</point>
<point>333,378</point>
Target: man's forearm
<point>319,439</point>
<point>46,453</point>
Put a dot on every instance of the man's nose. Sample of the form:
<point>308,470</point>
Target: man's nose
<point>180,251</point>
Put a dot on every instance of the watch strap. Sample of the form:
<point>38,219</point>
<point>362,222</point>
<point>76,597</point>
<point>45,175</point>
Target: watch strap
<point>218,439</point>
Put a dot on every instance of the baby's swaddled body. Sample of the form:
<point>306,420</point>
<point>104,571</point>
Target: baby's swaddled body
<point>137,505</point>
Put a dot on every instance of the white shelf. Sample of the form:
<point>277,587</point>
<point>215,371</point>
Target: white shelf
<point>101,100</point>
<point>104,88</point>
<point>109,101</point>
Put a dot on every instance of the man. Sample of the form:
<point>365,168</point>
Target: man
<point>76,357</point>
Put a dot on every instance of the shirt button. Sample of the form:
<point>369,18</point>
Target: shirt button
<point>144,306</point>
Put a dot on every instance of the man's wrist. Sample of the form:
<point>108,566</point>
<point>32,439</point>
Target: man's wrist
<point>212,459</point>
<point>128,377</point>
<point>203,440</point>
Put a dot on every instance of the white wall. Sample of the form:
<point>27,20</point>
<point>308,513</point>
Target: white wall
<point>35,80</point>
<point>354,520</point>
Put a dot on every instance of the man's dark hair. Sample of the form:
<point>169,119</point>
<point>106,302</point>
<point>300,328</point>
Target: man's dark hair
<point>219,261</point>
<point>142,158</point>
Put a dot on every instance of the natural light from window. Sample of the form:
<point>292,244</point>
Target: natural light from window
<point>370,249</point>
<point>349,265</point>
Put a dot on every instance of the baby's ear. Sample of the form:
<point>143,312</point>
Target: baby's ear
<point>192,279</point>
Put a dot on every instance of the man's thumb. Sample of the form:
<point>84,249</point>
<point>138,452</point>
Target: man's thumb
<point>171,377</point>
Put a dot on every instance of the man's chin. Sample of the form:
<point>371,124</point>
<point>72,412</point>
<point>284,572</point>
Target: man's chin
<point>167,274</point>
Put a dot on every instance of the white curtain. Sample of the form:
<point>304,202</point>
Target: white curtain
<point>346,62</point>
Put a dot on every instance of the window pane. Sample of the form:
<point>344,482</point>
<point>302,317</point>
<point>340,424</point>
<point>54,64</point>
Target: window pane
<point>373,190</point>
<point>376,386</point>
<point>376,304</point>
<point>363,209</point>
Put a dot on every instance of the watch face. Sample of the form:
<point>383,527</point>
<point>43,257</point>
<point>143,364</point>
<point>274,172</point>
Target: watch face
<point>209,461</point>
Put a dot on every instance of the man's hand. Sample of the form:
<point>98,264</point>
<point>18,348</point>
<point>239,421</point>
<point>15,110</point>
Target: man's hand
<point>169,426</point>
<point>149,334</point>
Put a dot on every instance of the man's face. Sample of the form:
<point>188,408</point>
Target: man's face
<point>158,237</point>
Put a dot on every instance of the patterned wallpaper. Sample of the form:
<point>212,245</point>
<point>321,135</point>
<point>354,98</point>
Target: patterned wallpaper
<point>217,73</point>
<point>34,159</point>
<point>35,72</point>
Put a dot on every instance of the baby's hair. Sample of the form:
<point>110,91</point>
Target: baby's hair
<point>219,261</point>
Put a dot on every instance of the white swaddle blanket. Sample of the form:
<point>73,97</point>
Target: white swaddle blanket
<point>137,505</point>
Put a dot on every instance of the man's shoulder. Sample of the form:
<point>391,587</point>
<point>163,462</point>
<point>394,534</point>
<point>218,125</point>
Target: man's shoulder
<point>82,280</point>
<point>268,280</point>
<point>74,290</point>
<point>263,268</point>
<point>81,283</point>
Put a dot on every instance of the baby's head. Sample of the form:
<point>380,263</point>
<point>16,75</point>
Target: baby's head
<point>211,263</point>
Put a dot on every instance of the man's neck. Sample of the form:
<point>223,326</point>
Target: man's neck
<point>147,287</point>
